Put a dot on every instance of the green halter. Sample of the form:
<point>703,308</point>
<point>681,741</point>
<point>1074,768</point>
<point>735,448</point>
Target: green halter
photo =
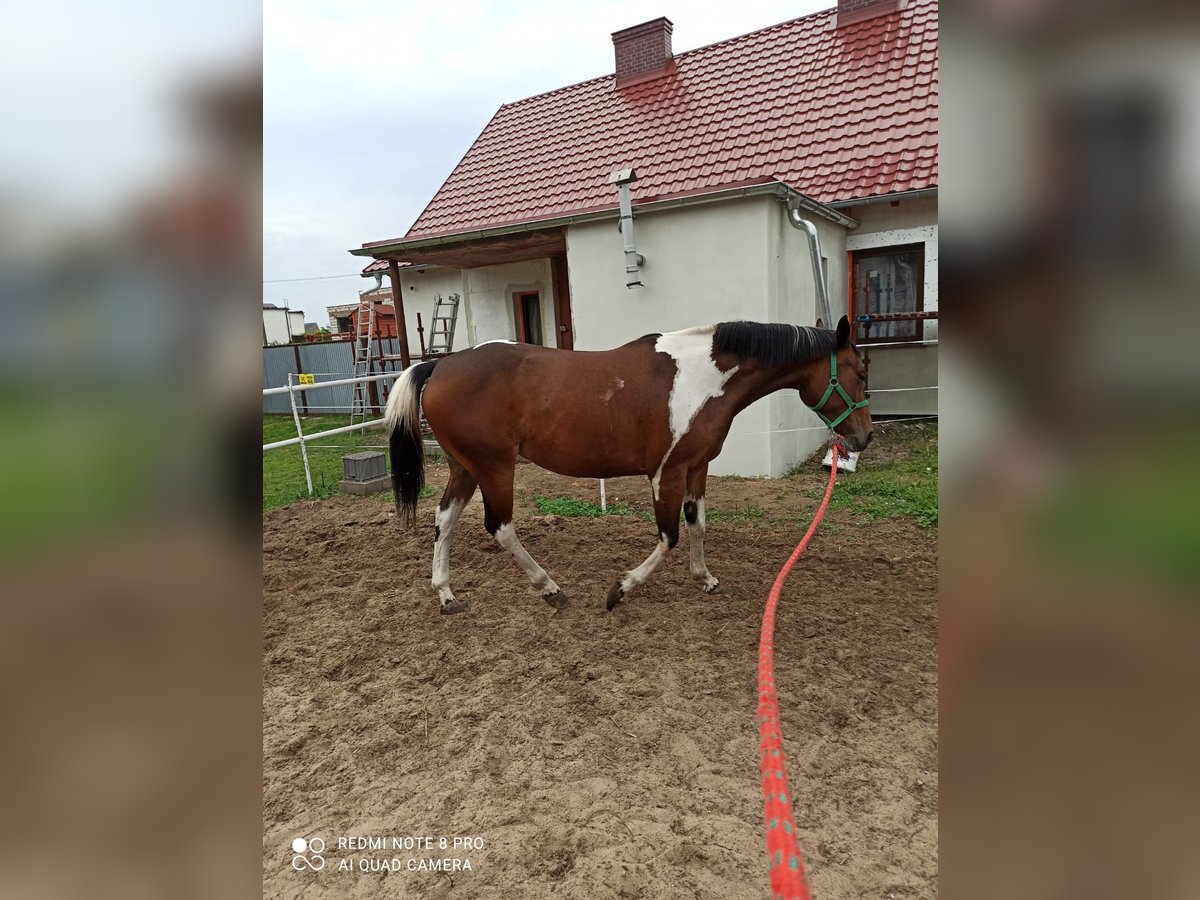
<point>851,406</point>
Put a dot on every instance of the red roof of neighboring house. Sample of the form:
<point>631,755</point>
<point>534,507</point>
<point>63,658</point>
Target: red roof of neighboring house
<point>834,113</point>
<point>380,265</point>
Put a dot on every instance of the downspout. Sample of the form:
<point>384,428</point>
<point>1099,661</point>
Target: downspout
<point>814,247</point>
<point>378,276</point>
<point>622,178</point>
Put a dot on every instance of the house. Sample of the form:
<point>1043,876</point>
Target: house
<point>343,319</point>
<point>831,118</point>
<point>281,325</point>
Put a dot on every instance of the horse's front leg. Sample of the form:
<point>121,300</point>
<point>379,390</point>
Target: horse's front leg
<point>666,514</point>
<point>693,513</point>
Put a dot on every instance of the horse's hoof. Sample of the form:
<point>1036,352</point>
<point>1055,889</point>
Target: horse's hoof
<point>558,599</point>
<point>717,588</point>
<point>614,595</point>
<point>454,606</point>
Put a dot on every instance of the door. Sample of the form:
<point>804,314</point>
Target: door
<point>565,338</point>
<point>527,309</point>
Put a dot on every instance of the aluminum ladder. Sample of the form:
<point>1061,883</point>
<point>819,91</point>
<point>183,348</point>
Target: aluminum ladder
<point>441,326</point>
<point>364,330</point>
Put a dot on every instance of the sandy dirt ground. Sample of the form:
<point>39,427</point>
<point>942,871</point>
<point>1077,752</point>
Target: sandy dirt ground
<point>596,755</point>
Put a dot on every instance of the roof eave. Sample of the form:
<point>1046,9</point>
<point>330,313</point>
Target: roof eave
<point>920,194</point>
<point>767,188</point>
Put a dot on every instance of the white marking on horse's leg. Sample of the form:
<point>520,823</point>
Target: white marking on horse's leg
<point>506,535</point>
<point>697,380</point>
<point>445,520</point>
<point>696,545</point>
<point>635,577</point>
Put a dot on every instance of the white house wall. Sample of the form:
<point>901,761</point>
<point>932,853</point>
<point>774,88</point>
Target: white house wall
<point>275,326</point>
<point>490,291</point>
<point>795,429</point>
<point>704,264</point>
<point>419,290</point>
<point>912,222</point>
<point>296,324</point>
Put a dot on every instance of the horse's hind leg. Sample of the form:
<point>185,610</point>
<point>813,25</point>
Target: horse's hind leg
<point>693,514</point>
<point>459,490</point>
<point>497,487</point>
<point>666,514</point>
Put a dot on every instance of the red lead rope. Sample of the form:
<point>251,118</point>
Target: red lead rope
<point>783,851</point>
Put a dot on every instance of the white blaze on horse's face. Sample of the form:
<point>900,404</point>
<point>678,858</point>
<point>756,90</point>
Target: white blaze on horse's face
<point>697,380</point>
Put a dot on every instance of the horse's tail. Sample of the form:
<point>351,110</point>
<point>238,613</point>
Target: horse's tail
<point>403,420</point>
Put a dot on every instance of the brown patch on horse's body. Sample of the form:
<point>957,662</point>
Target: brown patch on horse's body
<point>550,421</point>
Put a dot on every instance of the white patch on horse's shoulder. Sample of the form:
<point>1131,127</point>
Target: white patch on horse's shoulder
<point>697,380</point>
<point>496,341</point>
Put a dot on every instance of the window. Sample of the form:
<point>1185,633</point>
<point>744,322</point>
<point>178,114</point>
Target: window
<point>528,308</point>
<point>343,324</point>
<point>888,280</point>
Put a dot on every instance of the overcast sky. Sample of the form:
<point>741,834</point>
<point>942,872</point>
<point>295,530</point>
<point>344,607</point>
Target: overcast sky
<point>369,105</point>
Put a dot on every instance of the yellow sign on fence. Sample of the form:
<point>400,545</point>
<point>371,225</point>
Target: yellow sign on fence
<point>308,379</point>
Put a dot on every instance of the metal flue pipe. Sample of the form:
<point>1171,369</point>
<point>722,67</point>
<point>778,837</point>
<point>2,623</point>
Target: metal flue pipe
<point>623,178</point>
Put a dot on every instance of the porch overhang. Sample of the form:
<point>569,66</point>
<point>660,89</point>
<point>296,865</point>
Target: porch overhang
<point>471,252</point>
<point>546,237</point>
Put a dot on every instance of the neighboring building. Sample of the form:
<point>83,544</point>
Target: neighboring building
<point>834,113</point>
<point>282,326</point>
<point>343,319</point>
<point>420,286</point>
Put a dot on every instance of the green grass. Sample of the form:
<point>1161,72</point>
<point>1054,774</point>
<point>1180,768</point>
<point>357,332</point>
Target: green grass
<point>572,507</point>
<point>739,515</point>
<point>897,480</point>
<point>283,469</point>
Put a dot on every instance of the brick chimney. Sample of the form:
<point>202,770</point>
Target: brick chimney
<point>851,11</point>
<point>644,51</point>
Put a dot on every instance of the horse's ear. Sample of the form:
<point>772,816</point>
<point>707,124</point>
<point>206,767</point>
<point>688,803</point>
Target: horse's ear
<point>843,333</point>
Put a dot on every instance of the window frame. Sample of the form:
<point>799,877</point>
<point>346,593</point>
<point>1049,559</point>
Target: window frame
<point>887,250</point>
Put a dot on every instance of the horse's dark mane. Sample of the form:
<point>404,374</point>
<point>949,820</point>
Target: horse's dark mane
<point>774,344</point>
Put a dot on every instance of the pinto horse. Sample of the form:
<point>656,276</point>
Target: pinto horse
<point>660,406</point>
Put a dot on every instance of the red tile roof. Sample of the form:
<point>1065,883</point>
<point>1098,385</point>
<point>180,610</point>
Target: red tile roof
<point>380,265</point>
<point>834,113</point>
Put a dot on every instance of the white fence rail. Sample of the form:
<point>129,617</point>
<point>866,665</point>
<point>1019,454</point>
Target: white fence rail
<point>301,438</point>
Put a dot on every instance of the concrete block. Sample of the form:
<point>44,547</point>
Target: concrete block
<point>362,488</point>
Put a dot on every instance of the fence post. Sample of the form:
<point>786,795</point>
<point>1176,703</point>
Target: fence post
<point>299,369</point>
<point>603,499</point>
<point>300,435</point>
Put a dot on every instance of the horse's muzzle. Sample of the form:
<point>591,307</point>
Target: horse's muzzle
<point>858,443</point>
